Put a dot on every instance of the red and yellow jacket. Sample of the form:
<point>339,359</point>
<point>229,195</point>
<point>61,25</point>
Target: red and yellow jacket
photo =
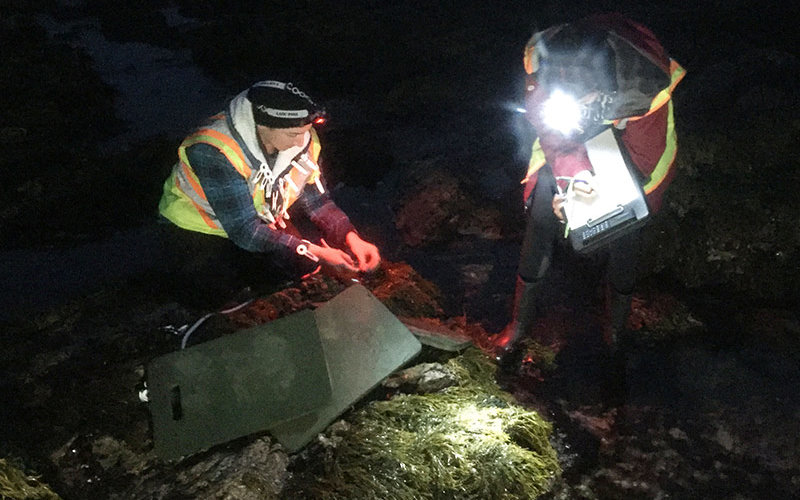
<point>649,135</point>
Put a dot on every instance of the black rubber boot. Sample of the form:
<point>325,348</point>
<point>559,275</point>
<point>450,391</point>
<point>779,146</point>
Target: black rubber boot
<point>509,355</point>
<point>619,309</point>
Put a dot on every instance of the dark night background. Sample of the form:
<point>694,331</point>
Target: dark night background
<point>96,96</point>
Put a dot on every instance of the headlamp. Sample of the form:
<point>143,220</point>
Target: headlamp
<point>318,116</point>
<point>562,112</point>
<point>566,113</point>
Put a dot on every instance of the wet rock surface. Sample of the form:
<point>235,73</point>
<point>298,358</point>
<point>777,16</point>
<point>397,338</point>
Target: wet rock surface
<point>700,402</point>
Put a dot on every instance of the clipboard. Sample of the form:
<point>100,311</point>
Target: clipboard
<point>618,204</point>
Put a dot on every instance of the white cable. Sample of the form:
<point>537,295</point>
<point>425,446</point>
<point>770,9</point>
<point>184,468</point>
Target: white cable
<point>201,320</point>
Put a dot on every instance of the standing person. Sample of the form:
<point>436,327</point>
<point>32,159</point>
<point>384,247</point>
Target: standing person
<point>236,181</point>
<point>621,77</point>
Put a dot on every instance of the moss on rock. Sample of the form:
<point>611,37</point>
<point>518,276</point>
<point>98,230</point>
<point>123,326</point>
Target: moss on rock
<point>17,485</point>
<point>470,440</point>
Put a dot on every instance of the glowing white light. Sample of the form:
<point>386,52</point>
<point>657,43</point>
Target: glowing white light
<point>561,112</point>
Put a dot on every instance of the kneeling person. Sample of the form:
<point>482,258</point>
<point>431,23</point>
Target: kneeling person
<point>237,177</point>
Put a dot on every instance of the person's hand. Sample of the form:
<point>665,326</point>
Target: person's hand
<point>583,184</point>
<point>558,205</point>
<point>333,258</point>
<point>366,253</point>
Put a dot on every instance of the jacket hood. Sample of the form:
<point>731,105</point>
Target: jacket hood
<point>241,113</point>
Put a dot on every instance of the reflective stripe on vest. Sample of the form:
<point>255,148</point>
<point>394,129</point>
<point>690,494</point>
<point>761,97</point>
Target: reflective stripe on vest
<point>676,75</point>
<point>187,181</point>
<point>661,169</point>
<point>536,162</point>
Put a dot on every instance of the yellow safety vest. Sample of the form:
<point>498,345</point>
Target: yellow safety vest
<point>184,203</point>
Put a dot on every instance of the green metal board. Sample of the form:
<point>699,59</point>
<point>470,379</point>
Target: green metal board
<point>363,344</point>
<point>236,385</point>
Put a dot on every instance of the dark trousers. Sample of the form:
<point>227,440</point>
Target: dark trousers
<point>543,230</point>
<point>205,271</point>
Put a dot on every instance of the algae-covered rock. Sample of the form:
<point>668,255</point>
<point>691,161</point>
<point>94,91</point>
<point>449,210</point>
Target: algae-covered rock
<point>17,485</point>
<point>438,208</point>
<point>255,471</point>
<point>729,219</point>
<point>396,284</point>
<point>404,292</point>
<point>470,440</point>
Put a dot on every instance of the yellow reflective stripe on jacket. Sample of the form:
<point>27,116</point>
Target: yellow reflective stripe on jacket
<point>209,222</point>
<point>224,143</point>
<point>530,59</point>
<point>182,209</point>
<point>235,156</point>
<point>195,191</point>
<point>536,162</point>
<point>661,169</point>
<point>314,148</point>
<point>659,173</point>
<point>184,201</point>
<point>676,75</point>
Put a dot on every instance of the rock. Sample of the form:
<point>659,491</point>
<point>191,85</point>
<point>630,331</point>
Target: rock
<point>430,212</point>
<point>724,439</point>
<point>255,472</point>
<point>404,292</point>
<point>439,208</point>
<point>422,378</point>
<point>678,434</point>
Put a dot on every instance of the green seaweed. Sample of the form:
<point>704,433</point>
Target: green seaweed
<point>468,441</point>
<point>16,485</point>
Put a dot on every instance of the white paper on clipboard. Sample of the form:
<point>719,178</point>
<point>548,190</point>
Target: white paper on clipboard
<point>614,186</point>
